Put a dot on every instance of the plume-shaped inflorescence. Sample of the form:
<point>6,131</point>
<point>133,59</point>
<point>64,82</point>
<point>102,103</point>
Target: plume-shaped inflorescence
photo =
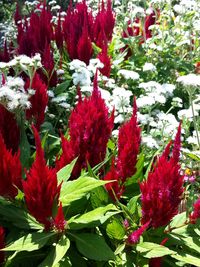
<point>90,127</point>
<point>39,100</point>
<point>10,171</point>
<point>162,191</point>
<point>128,149</point>
<point>41,188</point>
<point>196,212</point>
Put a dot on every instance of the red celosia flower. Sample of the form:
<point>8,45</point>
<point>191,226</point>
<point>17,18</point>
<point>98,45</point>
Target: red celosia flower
<point>17,15</point>
<point>2,245</point>
<point>128,149</point>
<point>116,188</point>
<point>40,188</point>
<point>48,63</point>
<point>105,20</point>
<point>5,55</point>
<point>78,32</point>
<point>38,101</point>
<point>134,237</point>
<point>161,192</point>
<point>10,171</point>
<point>84,47</point>
<point>59,34</point>
<point>9,129</point>
<point>105,59</point>
<point>59,221</point>
<point>89,128</point>
<point>196,212</point>
<point>149,21</point>
<point>128,146</point>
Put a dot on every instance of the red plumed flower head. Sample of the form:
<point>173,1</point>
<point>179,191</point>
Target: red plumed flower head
<point>128,146</point>
<point>59,221</point>
<point>10,172</point>
<point>38,101</point>
<point>196,212</point>
<point>134,237</point>
<point>40,188</point>
<point>162,191</point>
<point>106,60</point>
<point>89,128</point>
<point>9,129</point>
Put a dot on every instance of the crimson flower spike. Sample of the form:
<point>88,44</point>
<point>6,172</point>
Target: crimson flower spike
<point>162,191</point>
<point>40,188</point>
<point>10,172</point>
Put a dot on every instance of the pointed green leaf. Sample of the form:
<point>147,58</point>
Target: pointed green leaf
<point>30,242</point>
<point>115,229</point>
<point>152,250</point>
<point>94,247</point>
<point>187,258</point>
<point>57,253</point>
<point>17,216</point>
<point>93,218</point>
<point>73,190</point>
<point>65,172</point>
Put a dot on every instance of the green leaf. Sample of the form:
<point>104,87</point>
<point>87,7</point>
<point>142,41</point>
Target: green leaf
<point>152,250</point>
<point>30,242</point>
<point>99,197</point>
<point>139,167</point>
<point>17,216</point>
<point>73,190</point>
<point>115,229</point>
<point>65,172</point>
<point>178,221</point>
<point>132,204</point>
<point>93,218</point>
<point>187,258</point>
<point>94,247</point>
<point>57,253</point>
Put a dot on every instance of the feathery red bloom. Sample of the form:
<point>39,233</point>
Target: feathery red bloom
<point>89,128</point>
<point>59,221</point>
<point>196,212</point>
<point>84,47</point>
<point>128,149</point>
<point>116,188</point>
<point>5,54</point>
<point>38,101</point>
<point>40,188</point>
<point>128,146</point>
<point>9,129</point>
<point>106,60</point>
<point>59,34</point>
<point>10,171</point>
<point>134,237</point>
<point>162,191</point>
<point>105,20</point>
<point>2,245</point>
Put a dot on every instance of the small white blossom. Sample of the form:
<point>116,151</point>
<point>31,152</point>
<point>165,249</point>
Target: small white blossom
<point>190,80</point>
<point>149,141</point>
<point>129,74</point>
<point>149,67</point>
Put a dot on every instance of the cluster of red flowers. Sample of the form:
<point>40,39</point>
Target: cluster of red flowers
<point>128,149</point>
<point>89,129</point>
<point>42,190</point>
<point>162,191</point>
<point>196,212</point>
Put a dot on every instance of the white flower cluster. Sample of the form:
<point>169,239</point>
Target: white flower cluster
<point>13,95</point>
<point>192,140</point>
<point>154,93</point>
<point>189,80</point>
<point>22,62</point>
<point>83,73</point>
<point>129,74</point>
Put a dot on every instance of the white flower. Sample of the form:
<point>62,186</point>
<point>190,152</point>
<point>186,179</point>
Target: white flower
<point>119,119</point>
<point>144,101</point>
<point>3,65</point>
<point>129,74</point>
<point>151,86</point>
<point>190,80</point>
<point>64,105</point>
<point>149,67</point>
<point>149,141</point>
<point>115,133</point>
<point>187,113</point>
<point>168,89</point>
<point>57,7</point>
<point>60,72</point>
<point>76,64</point>
<point>81,77</point>
<point>177,102</point>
